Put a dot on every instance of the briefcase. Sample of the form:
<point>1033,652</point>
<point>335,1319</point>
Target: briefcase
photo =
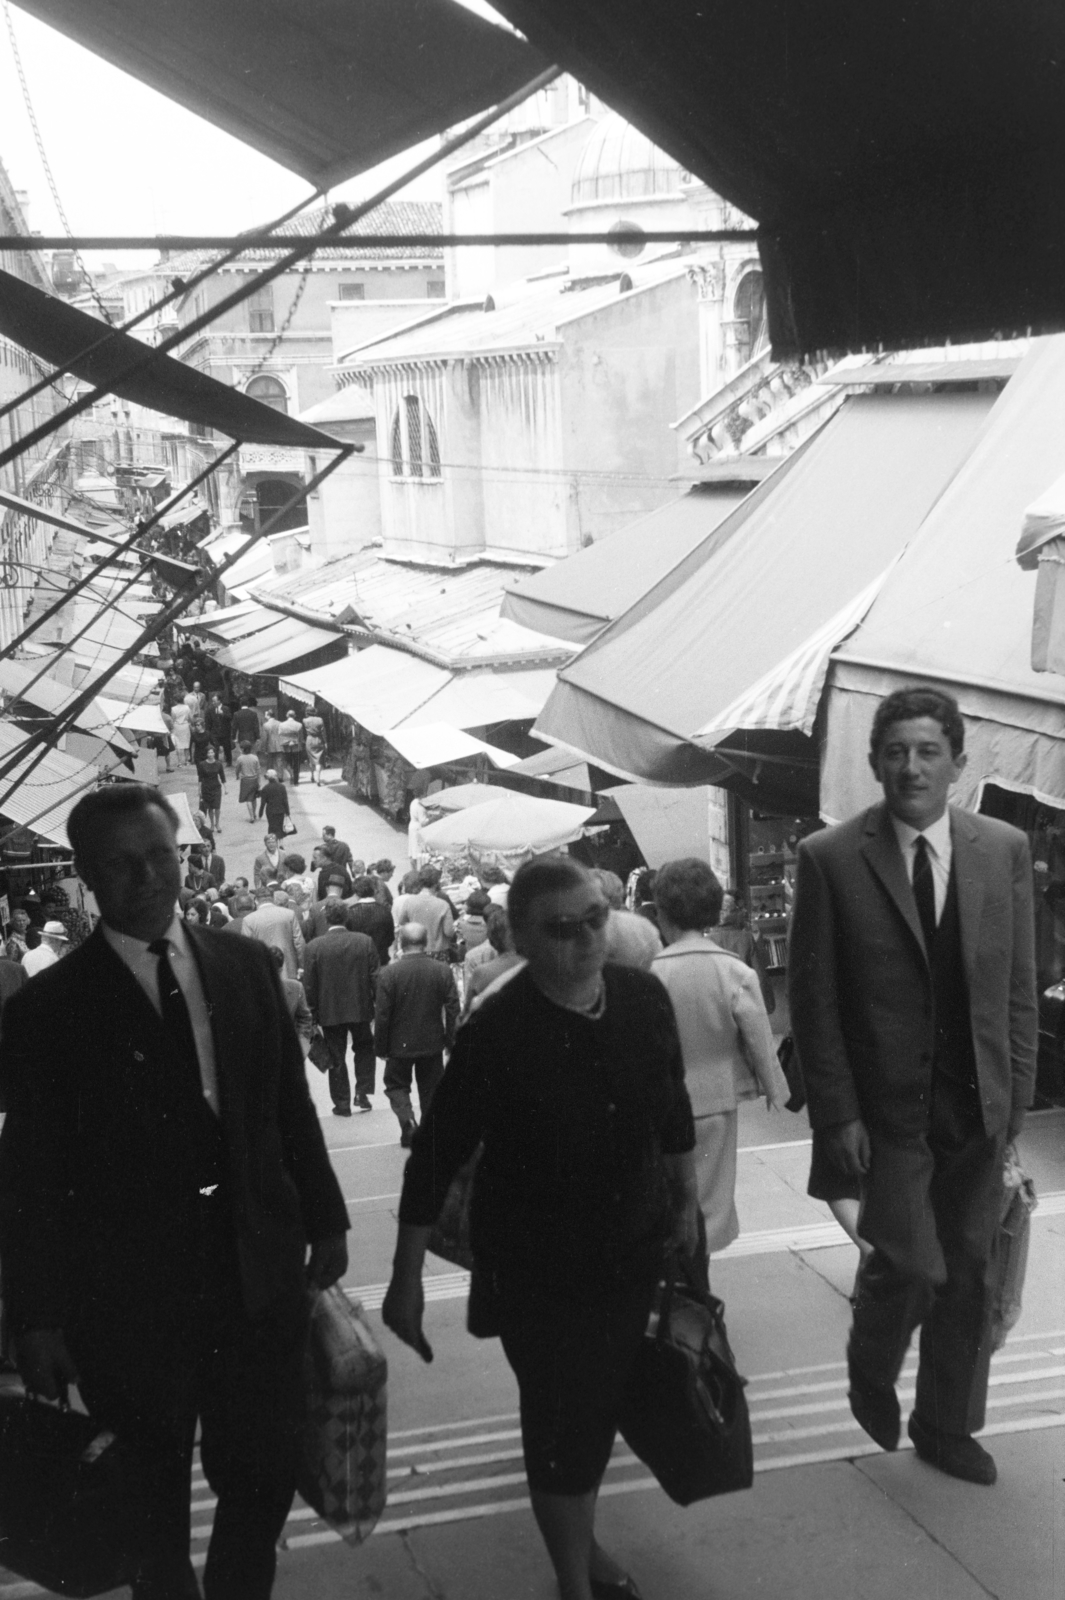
<point>318,1054</point>
<point>685,1413</point>
<point>63,1517</point>
<point>342,1472</point>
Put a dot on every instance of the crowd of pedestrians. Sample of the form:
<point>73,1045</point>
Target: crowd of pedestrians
<point>582,1054</point>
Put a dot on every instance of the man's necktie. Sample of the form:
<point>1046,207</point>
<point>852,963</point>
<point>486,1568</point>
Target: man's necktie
<point>924,890</point>
<point>175,1011</point>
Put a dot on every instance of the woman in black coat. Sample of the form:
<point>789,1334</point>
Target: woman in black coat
<point>570,1079</point>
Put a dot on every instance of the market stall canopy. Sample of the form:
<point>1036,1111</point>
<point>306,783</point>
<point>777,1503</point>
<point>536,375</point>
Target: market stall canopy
<point>52,698</point>
<point>285,640</point>
<point>30,508</point>
<point>802,545</point>
<point>385,689</point>
<point>437,743</point>
<point>463,795</point>
<point>576,598</point>
<point>666,823</point>
<point>1044,520</point>
<point>519,822</point>
<point>187,832</point>
<point>61,334</point>
<point>901,160</point>
<point>232,622</point>
<point>328,88</point>
<point>44,801</point>
<point>956,612</point>
<point>377,687</point>
<point>135,719</point>
<point>558,765</point>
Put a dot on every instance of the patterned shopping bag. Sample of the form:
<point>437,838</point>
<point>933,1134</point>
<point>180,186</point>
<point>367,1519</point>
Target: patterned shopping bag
<point>342,1472</point>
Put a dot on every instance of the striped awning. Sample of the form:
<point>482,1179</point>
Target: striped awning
<point>786,697</point>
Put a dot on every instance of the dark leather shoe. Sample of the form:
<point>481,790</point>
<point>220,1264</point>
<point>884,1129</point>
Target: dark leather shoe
<point>625,1590</point>
<point>342,1111</point>
<point>875,1407</point>
<point>953,1453</point>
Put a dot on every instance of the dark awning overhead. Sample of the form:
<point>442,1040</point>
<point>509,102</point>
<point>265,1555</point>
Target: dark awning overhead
<point>326,87</point>
<point>902,160</point>
<point>58,333</point>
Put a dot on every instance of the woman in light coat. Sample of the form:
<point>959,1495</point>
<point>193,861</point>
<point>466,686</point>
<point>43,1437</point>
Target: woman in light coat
<point>725,1036</point>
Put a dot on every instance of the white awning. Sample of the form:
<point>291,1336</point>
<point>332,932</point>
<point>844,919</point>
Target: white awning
<point>138,719</point>
<point>50,792</point>
<point>437,743</point>
<point>378,687</point>
<point>286,639</point>
<point>234,622</point>
<point>477,699</point>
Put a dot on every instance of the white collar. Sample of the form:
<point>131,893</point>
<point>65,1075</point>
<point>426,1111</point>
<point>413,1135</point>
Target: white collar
<point>937,833</point>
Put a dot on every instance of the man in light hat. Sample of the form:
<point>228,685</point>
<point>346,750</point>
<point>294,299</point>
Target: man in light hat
<point>53,944</point>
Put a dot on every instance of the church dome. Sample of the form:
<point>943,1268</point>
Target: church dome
<point>620,163</point>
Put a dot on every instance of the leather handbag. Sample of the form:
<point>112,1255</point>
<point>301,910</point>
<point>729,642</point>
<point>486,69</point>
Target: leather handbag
<point>684,1412</point>
<point>318,1053</point>
<point>62,1499</point>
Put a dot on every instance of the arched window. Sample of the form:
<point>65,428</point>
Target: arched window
<point>749,316</point>
<point>269,392</point>
<point>415,446</point>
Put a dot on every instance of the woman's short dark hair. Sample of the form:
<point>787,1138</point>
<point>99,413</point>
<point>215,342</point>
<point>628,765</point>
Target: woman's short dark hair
<point>906,704</point>
<point>543,875</point>
<point>201,908</point>
<point>429,877</point>
<point>492,873</point>
<point>106,805</point>
<point>296,864</point>
<point>689,893</point>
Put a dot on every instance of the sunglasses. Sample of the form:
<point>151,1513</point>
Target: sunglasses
<point>566,929</point>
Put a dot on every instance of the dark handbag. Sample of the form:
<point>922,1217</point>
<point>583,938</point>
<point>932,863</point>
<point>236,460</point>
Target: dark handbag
<point>450,1238</point>
<point>62,1500</point>
<point>684,1412</point>
<point>318,1054</point>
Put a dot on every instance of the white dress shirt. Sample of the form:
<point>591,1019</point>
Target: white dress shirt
<point>145,968</point>
<point>940,850</point>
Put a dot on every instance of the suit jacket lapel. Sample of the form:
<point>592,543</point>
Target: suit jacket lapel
<point>881,849</point>
<point>970,875</point>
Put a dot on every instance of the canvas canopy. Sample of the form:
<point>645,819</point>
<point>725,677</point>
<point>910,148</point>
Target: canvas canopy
<point>60,334</point>
<point>576,598</point>
<point>436,744</point>
<point>801,546</point>
<point>901,161</point>
<point>327,88</point>
<point>518,823</point>
<point>957,611</point>
<point>286,639</point>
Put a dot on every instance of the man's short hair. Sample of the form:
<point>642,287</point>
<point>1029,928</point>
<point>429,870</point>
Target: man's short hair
<point>336,913</point>
<point>611,885</point>
<point>413,936</point>
<point>498,925</point>
<point>295,864</point>
<point>429,877</point>
<point>363,888</point>
<point>329,832</point>
<point>689,893</point>
<point>109,804</point>
<point>477,903</point>
<point>492,873</point>
<point>240,883</point>
<point>382,867</point>
<point>903,705</point>
<point>241,904</point>
<point>543,875</point>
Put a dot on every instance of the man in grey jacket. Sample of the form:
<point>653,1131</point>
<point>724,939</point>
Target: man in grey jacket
<point>417,1014</point>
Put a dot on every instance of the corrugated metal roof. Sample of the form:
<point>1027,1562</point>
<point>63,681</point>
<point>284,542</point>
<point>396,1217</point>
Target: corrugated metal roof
<point>534,319</point>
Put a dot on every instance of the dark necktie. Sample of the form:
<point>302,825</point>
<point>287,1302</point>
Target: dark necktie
<point>924,890</point>
<point>175,1012</point>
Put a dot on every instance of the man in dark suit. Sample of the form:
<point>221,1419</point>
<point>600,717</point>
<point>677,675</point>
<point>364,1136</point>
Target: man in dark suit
<point>339,977</point>
<point>367,915</point>
<point>162,1172</point>
<point>416,1017</point>
<point>913,1005</point>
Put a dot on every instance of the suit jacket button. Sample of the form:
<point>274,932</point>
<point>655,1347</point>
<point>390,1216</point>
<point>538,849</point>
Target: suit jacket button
<point>137,1056</point>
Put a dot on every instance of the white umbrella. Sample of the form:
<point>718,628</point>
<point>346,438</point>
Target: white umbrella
<point>463,795</point>
<point>516,823</point>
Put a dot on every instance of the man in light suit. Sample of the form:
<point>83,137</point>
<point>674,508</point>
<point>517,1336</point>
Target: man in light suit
<point>274,922</point>
<point>162,1173</point>
<point>913,1005</point>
